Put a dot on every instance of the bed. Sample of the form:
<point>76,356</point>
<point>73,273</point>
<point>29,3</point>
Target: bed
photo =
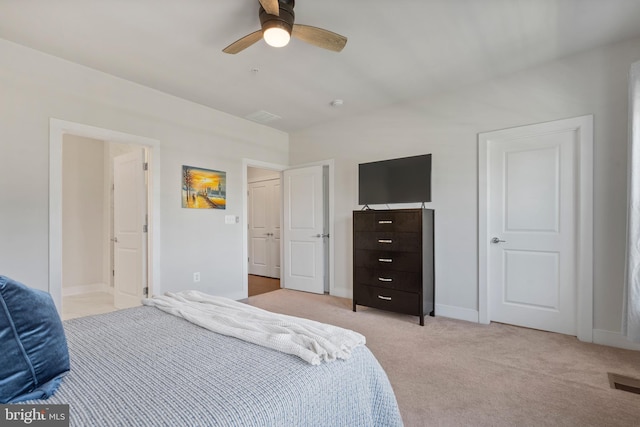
<point>144,367</point>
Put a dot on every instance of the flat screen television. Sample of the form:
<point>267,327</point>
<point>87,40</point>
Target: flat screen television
<point>403,180</point>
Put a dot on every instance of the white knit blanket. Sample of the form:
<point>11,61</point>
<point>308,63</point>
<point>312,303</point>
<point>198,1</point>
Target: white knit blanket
<point>312,341</point>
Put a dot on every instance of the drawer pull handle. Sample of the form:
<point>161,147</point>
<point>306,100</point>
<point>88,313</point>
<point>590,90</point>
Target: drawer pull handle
<point>384,279</point>
<point>385,260</point>
<point>385,221</point>
<point>385,241</point>
<point>384,298</point>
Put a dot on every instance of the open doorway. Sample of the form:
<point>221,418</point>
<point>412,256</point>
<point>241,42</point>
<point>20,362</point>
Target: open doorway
<point>297,266</point>
<point>94,215</point>
<point>58,131</point>
<point>264,230</point>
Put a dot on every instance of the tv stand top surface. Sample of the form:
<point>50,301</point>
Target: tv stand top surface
<point>369,208</point>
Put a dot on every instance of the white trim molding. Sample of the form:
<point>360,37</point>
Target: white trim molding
<point>86,289</point>
<point>457,313</point>
<point>613,339</point>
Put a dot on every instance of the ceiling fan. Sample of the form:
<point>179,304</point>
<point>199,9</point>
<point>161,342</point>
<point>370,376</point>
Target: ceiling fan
<point>276,19</point>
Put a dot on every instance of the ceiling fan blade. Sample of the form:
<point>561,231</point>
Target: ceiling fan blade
<point>271,7</point>
<point>243,43</point>
<point>319,37</point>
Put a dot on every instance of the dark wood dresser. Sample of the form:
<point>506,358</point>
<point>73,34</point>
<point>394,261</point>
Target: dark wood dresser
<point>393,261</point>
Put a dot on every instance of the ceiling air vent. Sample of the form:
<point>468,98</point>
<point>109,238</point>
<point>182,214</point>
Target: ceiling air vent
<point>262,117</point>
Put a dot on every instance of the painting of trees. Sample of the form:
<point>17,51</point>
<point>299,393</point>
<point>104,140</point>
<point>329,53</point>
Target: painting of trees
<point>203,188</point>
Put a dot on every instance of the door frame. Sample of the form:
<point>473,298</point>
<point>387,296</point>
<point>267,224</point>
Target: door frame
<point>57,129</point>
<point>583,126</point>
<point>246,163</point>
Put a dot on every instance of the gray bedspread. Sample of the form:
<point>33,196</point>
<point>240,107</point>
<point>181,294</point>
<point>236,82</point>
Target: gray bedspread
<point>143,367</point>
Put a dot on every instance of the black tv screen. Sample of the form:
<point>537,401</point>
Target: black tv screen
<point>404,180</point>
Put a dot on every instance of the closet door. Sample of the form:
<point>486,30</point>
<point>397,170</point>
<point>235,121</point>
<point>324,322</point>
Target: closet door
<point>264,228</point>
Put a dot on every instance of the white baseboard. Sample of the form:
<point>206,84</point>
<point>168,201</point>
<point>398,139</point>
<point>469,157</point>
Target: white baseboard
<point>613,339</point>
<point>85,289</point>
<point>441,309</point>
<point>457,313</point>
<point>341,293</point>
<point>608,338</point>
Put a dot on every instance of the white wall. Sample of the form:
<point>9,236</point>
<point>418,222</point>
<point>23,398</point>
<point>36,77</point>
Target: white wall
<point>257,174</point>
<point>83,212</point>
<point>35,87</point>
<point>447,125</point>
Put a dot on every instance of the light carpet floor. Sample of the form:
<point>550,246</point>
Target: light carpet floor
<point>456,373</point>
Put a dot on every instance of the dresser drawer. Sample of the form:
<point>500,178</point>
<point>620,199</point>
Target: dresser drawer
<point>387,260</point>
<point>388,241</point>
<point>388,299</point>
<point>409,220</point>
<point>402,280</point>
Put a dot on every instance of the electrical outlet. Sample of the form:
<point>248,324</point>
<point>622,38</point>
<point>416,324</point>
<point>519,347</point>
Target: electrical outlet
<point>196,277</point>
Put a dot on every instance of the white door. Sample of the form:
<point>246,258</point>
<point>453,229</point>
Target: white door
<point>264,228</point>
<point>129,220</point>
<point>303,229</point>
<point>531,228</point>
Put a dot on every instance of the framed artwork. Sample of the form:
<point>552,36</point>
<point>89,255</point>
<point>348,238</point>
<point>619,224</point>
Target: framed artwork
<point>203,188</point>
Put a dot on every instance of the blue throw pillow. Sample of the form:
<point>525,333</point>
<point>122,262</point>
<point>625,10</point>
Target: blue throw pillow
<point>34,355</point>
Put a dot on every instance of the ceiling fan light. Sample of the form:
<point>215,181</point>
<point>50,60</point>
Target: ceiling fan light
<point>276,36</point>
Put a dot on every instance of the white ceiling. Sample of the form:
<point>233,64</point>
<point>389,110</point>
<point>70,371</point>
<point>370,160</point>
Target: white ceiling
<point>398,50</point>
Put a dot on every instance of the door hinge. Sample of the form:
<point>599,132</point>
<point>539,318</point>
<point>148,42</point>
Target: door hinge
<point>145,166</point>
<point>113,273</point>
<point>145,291</point>
<point>145,228</point>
